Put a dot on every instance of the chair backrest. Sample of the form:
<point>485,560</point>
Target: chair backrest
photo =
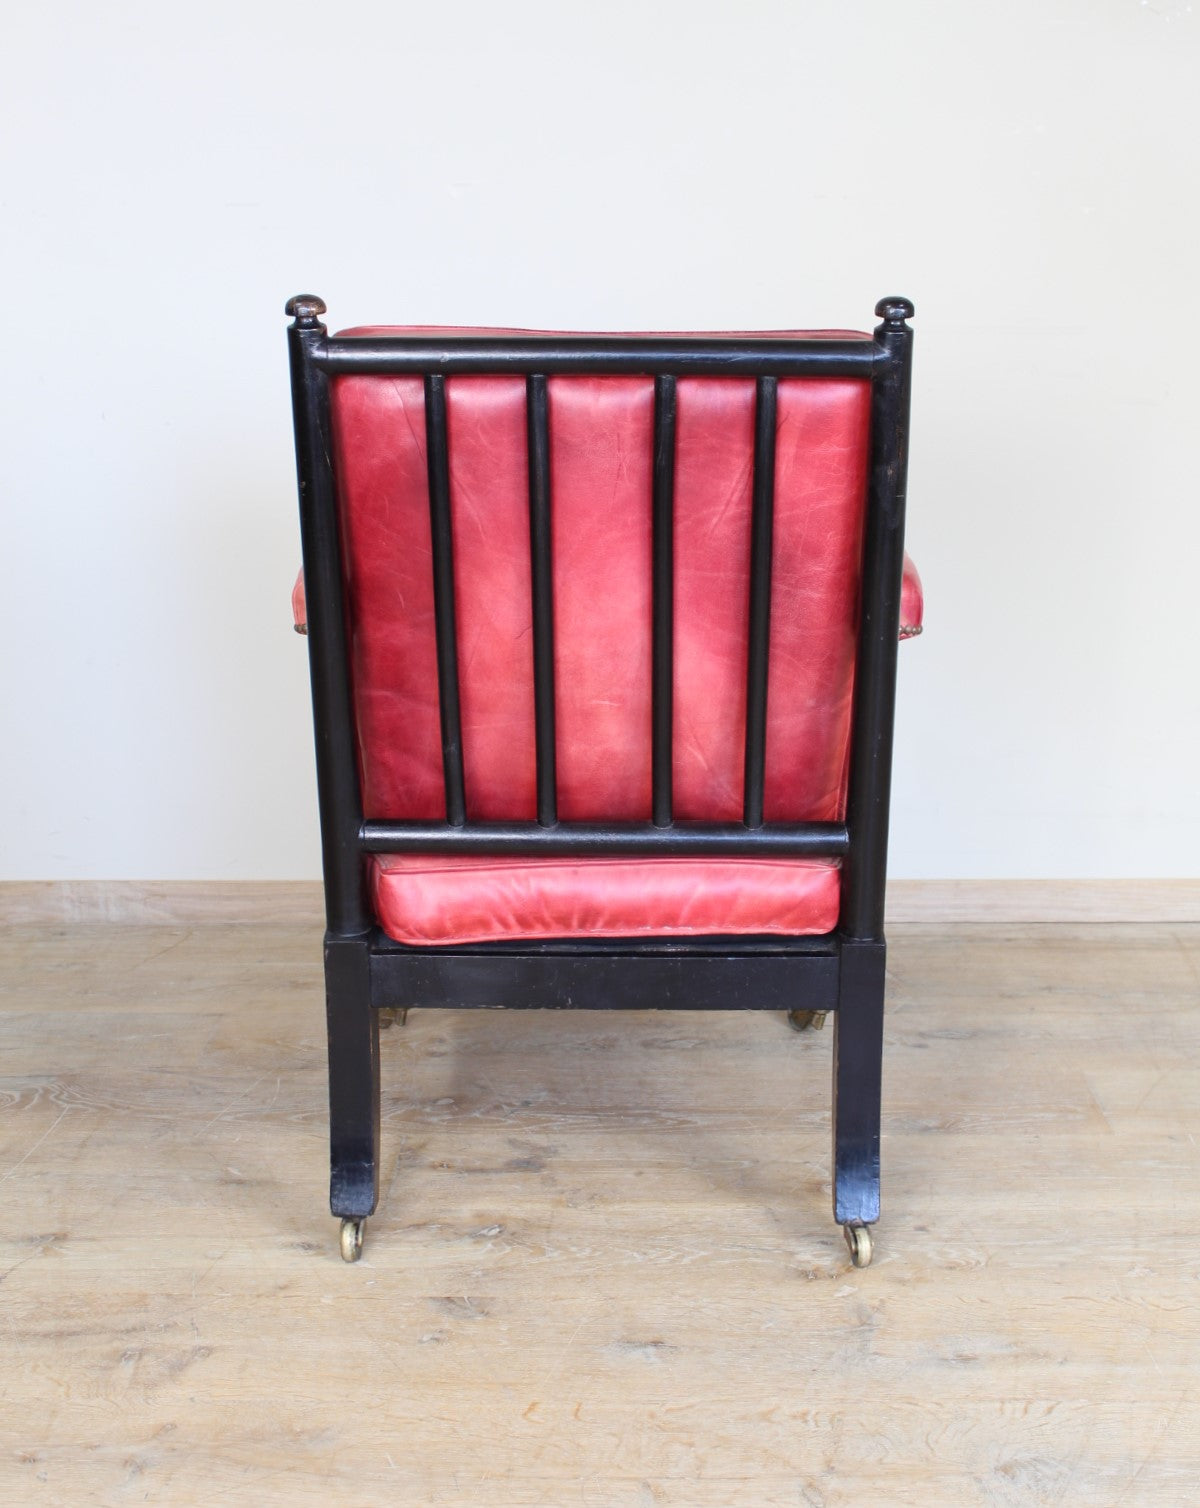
<point>601,472</point>
<point>605,580</point>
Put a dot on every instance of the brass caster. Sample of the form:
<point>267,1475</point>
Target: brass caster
<point>802,1021</point>
<point>858,1239</point>
<point>392,1016</point>
<point>352,1239</point>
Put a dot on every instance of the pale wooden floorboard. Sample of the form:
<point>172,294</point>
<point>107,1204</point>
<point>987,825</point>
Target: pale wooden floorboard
<point>605,1270</point>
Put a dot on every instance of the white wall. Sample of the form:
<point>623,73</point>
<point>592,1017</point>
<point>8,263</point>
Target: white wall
<point>1027,172</point>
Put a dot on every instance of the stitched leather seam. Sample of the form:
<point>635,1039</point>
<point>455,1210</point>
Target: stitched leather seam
<point>547,865</point>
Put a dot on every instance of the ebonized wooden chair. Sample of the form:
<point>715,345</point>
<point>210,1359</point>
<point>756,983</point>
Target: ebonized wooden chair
<point>602,635</point>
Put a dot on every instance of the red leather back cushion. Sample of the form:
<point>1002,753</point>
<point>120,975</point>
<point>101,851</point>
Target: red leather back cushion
<point>601,444</point>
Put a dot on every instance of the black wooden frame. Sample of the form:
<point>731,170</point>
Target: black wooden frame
<point>842,972</point>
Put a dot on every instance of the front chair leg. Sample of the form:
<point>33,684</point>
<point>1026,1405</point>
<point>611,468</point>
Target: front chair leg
<point>857,1080</point>
<point>353,1089</point>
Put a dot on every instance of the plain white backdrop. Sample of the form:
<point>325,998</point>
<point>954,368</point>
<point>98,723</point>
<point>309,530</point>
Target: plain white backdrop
<point>1026,172</point>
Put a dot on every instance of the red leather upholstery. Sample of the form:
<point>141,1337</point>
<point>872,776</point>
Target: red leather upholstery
<point>601,477</point>
<point>601,443</point>
<point>455,899</point>
<point>299,605</point>
<point>912,602</point>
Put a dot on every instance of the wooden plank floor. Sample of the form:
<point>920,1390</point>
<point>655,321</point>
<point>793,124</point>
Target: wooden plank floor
<point>605,1271</point>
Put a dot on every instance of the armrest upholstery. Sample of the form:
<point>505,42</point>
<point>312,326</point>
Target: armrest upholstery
<point>299,608</point>
<point>912,601</point>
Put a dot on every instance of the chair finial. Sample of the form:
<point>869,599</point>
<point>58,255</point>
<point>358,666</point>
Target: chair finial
<point>307,309</point>
<point>894,311</point>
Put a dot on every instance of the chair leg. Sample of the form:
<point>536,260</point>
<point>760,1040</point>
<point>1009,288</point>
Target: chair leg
<point>353,1089</point>
<point>857,1074</point>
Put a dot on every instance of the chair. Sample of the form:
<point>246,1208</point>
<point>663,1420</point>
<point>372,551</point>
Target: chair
<point>602,636</point>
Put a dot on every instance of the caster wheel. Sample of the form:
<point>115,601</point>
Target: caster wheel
<point>352,1239</point>
<point>858,1239</point>
<point>392,1017</point>
<point>802,1021</point>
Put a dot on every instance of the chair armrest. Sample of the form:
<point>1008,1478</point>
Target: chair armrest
<point>912,602</point>
<point>299,609</point>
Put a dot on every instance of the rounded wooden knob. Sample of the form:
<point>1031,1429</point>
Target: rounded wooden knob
<point>894,311</point>
<point>306,309</point>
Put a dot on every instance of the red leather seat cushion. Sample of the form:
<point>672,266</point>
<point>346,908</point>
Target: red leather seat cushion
<point>422,899</point>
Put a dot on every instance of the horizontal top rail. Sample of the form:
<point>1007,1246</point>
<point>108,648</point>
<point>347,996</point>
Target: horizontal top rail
<point>598,355</point>
<point>774,840</point>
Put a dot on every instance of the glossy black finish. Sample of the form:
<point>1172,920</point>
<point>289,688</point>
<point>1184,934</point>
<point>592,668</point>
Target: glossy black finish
<point>333,716</point>
<point>438,460</point>
<point>761,532</point>
<point>606,980</point>
<point>663,673</point>
<point>538,424</point>
<point>353,1077</point>
<point>869,797</point>
<point>842,972</point>
<point>714,946</point>
<point>794,840</point>
<point>589,355</point>
<point>857,1082</point>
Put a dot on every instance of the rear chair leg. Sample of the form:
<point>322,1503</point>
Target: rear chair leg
<point>857,1077</point>
<point>353,1089</point>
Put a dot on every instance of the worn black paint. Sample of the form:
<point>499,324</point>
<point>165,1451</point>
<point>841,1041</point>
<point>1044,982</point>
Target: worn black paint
<point>446,632</point>
<point>663,656</point>
<point>762,525</point>
<point>605,980</point>
<point>869,796</point>
<point>333,716</point>
<point>542,578</point>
